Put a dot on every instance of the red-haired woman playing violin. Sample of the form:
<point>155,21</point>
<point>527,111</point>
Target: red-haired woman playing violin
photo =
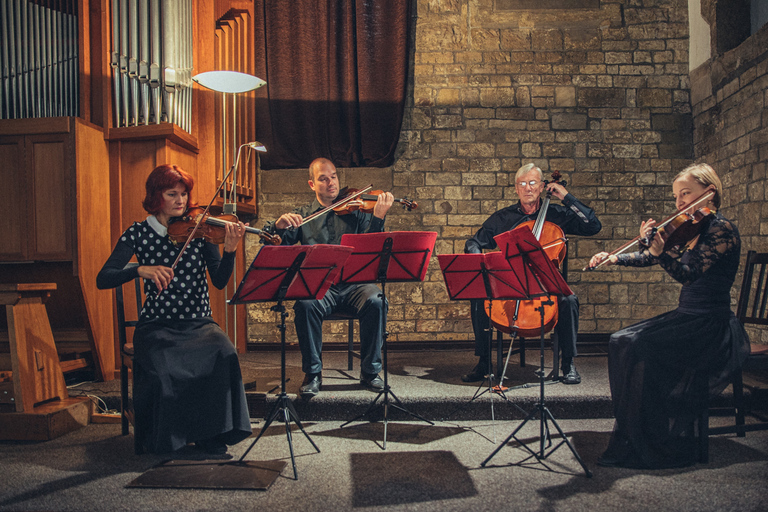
<point>663,370</point>
<point>187,382</point>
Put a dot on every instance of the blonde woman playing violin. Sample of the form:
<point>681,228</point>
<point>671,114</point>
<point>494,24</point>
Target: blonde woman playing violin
<point>663,370</point>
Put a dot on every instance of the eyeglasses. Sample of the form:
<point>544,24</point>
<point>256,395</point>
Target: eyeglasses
<point>532,183</point>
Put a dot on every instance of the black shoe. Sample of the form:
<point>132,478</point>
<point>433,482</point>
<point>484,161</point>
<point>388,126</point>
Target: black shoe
<point>311,385</point>
<point>609,462</point>
<point>212,446</point>
<point>371,381</point>
<point>570,375</point>
<point>477,374</point>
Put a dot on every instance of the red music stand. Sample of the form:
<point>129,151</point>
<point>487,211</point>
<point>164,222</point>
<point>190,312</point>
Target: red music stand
<point>398,256</point>
<point>489,277</point>
<point>281,273</point>
<point>529,261</point>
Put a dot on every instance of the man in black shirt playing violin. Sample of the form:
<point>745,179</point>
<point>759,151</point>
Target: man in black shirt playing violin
<point>362,300</point>
<point>574,218</point>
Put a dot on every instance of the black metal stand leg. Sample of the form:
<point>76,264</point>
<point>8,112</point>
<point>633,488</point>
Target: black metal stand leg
<point>545,416</point>
<point>386,392</point>
<point>283,404</point>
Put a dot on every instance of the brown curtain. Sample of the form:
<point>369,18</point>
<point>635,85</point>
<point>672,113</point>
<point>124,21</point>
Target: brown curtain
<point>336,73</point>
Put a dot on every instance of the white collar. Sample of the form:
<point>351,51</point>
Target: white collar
<point>155,224</point>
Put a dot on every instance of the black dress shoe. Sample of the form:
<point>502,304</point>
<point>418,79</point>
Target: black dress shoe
<point>371,381</point>
<point>311,385</point>
<point>477,374</point>
<point>570,375</point>
<point>212,446</point>
<point>609,462</point>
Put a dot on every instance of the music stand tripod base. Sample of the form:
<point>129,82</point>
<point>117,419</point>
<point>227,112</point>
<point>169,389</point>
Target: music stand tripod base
<point>308,274</point>
<point>525,253</point>
<point>379,258</point>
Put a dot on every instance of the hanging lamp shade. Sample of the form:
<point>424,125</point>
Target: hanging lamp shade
<point>232,82</point>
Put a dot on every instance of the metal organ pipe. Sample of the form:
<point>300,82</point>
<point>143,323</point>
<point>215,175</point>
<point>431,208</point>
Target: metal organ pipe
<point>38,59</point>
<point>152,56</point>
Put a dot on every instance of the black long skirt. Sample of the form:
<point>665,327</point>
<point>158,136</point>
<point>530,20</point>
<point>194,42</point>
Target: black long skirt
<point>662,373</point>
<point>187,385</point>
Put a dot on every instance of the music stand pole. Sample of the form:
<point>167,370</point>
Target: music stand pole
<point>308,276</point>
<point>528,255</point>
<point>407,262</point>
<point>283,404</point>
<point>487,277</point>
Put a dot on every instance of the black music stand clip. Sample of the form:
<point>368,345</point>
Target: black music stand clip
<point>524,252</point>
<point>381,258</point>
<point>310,271</point>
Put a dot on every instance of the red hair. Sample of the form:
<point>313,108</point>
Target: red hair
<point>162,178</point>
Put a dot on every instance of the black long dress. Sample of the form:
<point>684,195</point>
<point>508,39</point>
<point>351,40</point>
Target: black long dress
<point>187,381</point>
<point>663,370</point>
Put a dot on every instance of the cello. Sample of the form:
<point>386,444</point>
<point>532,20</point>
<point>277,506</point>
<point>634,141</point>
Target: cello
<point>522,316</point>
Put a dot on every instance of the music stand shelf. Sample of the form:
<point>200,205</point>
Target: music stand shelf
<point>398,256</point>
<point>289,273</point>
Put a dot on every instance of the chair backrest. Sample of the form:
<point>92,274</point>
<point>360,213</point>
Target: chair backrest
<point>122,324</point>
<point>753,299</point>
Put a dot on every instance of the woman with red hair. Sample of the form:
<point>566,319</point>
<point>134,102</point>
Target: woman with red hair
<point>187,382</point>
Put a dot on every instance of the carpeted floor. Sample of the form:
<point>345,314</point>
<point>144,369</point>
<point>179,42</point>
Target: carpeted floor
<point>424,467</point>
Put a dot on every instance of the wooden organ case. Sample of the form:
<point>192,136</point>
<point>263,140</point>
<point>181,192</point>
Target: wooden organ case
<point>83,121</point>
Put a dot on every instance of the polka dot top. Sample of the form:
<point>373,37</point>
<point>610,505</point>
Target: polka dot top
<point>187,295</point>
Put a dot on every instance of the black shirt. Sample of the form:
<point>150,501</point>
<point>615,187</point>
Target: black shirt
<point>573,217</point>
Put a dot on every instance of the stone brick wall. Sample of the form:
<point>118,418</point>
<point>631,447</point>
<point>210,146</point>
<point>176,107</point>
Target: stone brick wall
<point>729,96</point>
<point>598,91</point>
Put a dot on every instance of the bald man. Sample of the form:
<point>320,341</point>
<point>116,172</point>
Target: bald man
<point>362,300</point>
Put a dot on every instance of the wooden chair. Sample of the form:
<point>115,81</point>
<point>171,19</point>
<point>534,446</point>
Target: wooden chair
<point>351,352</point>
<point>126,359</point>
<point>751,309</point>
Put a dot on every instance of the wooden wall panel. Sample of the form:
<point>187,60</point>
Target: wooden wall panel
<point>51,198</point>
<point>12,199</point>
<point>93,242</point>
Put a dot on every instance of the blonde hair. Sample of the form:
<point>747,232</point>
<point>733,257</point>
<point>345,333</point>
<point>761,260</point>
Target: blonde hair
<point>704,175</point>
<point>526,169</point>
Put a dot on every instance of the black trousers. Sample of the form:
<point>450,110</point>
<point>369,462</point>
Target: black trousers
<point>567,326</point>
<point>364,301</point>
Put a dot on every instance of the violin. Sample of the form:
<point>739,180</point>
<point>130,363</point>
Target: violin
<point>523,316</point>
<point>366,202</point>
<point>212,228</point>
<point>677,230</point>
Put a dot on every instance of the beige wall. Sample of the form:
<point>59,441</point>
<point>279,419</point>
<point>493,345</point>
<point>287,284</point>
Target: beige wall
<point>729,96</point>
<point>599,93</point>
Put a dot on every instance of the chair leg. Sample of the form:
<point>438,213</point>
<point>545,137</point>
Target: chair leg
<point>738,403</point>
<point>123,398</point>
<point>351,341</point>
<point>703,424</point>
<point>555,356</point>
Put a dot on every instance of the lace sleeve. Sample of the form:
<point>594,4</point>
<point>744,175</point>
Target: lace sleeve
<point>641,258</point>
<point>719,239</point>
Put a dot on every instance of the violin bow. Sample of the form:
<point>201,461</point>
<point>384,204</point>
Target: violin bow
<point>703,197</point>
<point>205,212</point>
<point>335,205</point>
